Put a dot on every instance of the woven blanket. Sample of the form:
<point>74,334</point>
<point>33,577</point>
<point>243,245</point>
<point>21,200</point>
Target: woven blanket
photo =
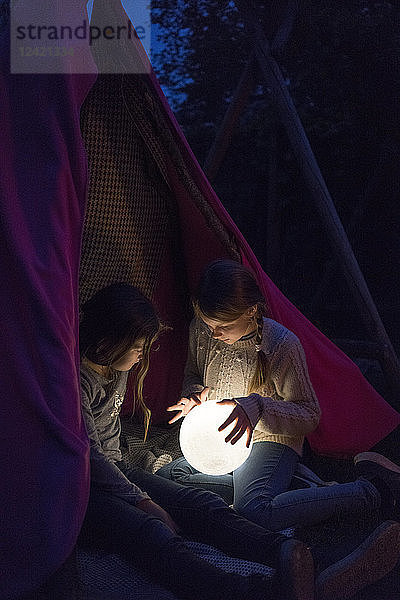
<point>109,577</point>
<point>160,447</point>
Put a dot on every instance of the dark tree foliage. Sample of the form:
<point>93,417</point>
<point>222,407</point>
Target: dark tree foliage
<point>206,47</point>
<point>341,64</point>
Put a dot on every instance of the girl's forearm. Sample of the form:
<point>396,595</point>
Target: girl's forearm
<point>279,416</point>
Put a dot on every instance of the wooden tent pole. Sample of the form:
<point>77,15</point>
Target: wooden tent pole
<point>224,135</point>
<point>319,191</point>
<point>284,30</point>
<point>354,223</point>
<point>242,93</point>
<point>274,209</point>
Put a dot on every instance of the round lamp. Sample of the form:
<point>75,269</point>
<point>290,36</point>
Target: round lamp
<point>204,447</point>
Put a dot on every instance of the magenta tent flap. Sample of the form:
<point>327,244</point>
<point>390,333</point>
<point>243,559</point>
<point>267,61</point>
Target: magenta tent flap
<point>43,447</point>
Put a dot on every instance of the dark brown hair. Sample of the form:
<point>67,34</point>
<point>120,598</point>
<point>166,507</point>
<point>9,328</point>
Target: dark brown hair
<point>227,289</point>
<point>113,320</point>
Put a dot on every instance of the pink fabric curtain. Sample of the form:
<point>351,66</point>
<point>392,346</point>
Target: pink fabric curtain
<point>43,442</point>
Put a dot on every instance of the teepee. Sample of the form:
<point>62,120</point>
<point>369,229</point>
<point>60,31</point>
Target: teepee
<point>98,184</point>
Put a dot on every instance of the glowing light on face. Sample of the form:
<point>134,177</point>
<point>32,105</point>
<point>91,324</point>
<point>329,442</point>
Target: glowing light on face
<point>204,447</point>
<point>231,332</point>
<point>131,358</point>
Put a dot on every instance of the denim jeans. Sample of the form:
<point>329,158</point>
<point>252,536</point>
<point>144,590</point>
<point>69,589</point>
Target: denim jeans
<point>260,490</point>
<point>119,527</point>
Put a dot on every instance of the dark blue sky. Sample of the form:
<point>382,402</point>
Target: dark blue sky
<point>139,14</point>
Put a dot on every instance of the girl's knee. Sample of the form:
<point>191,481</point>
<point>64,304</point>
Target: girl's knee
<point>166,471</point>
<point>246,509</point>
<point>258,512</point>
<point>177,470</point>
<point>199,497</point>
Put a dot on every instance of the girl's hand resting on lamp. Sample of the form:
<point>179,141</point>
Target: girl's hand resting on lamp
<point>151,508</point>
<point>185,405</point>
<point>242,426</point>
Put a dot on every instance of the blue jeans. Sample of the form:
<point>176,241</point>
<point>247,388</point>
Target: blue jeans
<point>260,490</point>
<point>119,527</point>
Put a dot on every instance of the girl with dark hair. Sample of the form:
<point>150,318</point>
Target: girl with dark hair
<point>139,515</point>
<point>117,332</point>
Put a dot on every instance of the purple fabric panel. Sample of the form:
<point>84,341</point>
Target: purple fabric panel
<point>354,415</point>
<point>43,442</point>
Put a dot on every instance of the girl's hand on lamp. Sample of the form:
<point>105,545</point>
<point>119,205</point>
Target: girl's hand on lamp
<point>242,426</point>
<point>185,405</point>
<point>151,508</point>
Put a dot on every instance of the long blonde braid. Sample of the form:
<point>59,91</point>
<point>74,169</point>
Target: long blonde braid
<point>262,373</point>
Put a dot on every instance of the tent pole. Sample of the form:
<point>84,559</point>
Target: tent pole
<point>274,210</point>
<point>242,93</point>
<point>353,225</point>
<point>284,30</point>
<point>320,194</point>
<point>224,135</point>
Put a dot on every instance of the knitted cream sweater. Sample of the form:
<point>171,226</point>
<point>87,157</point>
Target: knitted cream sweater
<point>284,410</point>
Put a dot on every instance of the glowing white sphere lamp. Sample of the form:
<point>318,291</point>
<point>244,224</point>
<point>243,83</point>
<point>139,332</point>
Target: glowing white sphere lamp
<point>204,447</point>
